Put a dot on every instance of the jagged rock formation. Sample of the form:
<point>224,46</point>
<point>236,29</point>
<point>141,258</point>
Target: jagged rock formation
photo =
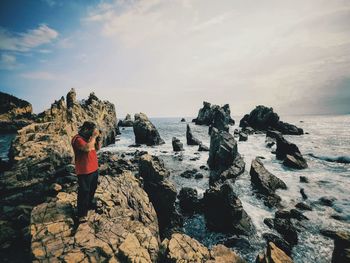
<point>188,200</point>
<point>177,145</point>
<point>191,140</point>
<point>263,118</point>
<point>124,228</point>
<point>182,248</point>
<point>41,150</point>
<point>265,182</point>
<point>14,113</point>
<point>273,254</point>
<point>214,116</point>
<point>145,132</point>
<point>127,122</point>
<point>160,190</point>
<point>224,159</point>
<point>224,212</point>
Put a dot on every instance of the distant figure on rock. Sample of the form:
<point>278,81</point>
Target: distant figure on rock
<point>85,144</point>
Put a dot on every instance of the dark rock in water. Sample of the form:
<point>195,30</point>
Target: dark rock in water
<point>177,145</point>
<point>273,134</point>
<point>327,200</point>
<point>188,200</point>
<point>243,137</point>
<point>285,227</point>
<point>203,167</point>
<point>248,130</point>
<point>135,145</point>
<point>295,161</point>
<point>269,222</point>
<point>127,122</point>
<point>145,132</point>
<point>159,188</point>
<point>224,212</point>
<point>194,158</point>
<point>269,142</point>
<point>191,140</point>
<point>230,173</point>
<point>297,215</point>
<point>303,179</point>
<point>189,173</point>
<point>341,252</point>
<point>14,113</point>
<point>340,217</point>
<point>263,118</point>
<point>302,192</point>
<point>280,242</point>
<point>203,148</point>
<point>265,182</point>
<point>273,254</point>
<point>183,120</point>
<point>303,206</point>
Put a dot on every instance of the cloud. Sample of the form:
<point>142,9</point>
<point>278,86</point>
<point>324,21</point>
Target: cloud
<point>24,42</point>
<point>8,62</point>
<point>40,75</point>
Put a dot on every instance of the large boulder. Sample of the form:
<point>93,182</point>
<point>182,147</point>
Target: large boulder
<point>224,212</point>
<point>215,116</point>
<point>341,252</point>
<point>263,118</point>
<point>145,132</point>
<point>124,228</point>
<point>14,113</point>
<point>177,145</point>
<point>127,122</point>
<point>265,182</point>
<point>289,153</point>
<point>191,140</point>
<point>188,200</point>
<point>160,190</point>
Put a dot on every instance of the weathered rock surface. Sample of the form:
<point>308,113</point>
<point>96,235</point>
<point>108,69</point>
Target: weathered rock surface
<point>188,200</point>
<point>273,254</point>
<point>265,182</point>
<point>341,252</point>
<point>145,132</point>
<point>124,228</point>
<point>177,145</point>
<point>191,140</point>
<point>290,154</point>
<point>127,122</point>
<point>160,189</point>
<point>263,118</point>
<point>14,113</point>
<point>224,212</point>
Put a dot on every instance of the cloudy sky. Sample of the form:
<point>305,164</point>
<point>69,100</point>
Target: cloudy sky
<point>164,57</point>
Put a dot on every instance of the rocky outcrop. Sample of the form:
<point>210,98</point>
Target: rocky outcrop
<point>191,140</point>
<point>145,132</point>
<point>224,212</point>
<point>177,145</point>
<point>341,252</point>
<point>265,182</point>
<point>290,154</point>
<point>41,151</point>
<point>224,159</point>
<point>160,190</point>
<point>127,122</point>
<point>203,148</point>
<point>14,113</point>
<point>263,118</point>
<point>123,228</point>
<point>182,248</point>
<point>183,120</point>
<point>188,200</point>
<point>273,254</point>
<point>215,116</point>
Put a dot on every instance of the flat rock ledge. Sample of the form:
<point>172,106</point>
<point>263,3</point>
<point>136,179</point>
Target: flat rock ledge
<point>124,227</point>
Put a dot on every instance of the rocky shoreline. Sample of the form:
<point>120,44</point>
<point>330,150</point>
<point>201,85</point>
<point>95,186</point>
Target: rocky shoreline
<point>139,214</point>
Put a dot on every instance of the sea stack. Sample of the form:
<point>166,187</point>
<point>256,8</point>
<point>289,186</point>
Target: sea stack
<point>145,132</point>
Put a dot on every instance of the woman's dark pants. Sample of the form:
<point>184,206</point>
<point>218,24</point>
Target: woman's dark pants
<point>87,184</point>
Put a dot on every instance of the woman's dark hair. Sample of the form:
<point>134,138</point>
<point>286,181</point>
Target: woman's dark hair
<point>87,129</point>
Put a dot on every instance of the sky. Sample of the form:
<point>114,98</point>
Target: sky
<point>165,57</point>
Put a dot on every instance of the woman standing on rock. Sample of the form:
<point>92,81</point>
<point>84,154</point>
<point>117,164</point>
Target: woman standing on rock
<point>85,144</point>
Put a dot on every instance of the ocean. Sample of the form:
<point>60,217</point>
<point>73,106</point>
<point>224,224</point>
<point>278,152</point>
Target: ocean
<point>327,142</point>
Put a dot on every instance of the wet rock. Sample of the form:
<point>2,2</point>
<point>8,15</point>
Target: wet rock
<point>160,189</point>
<point>124,229</point>
<point>269,222</point>
<point>302,192</point>
<point>303,206</point>
<point>243,137</point>
<point>236,169</point>
<point>273,254</point>
<point>191,140</point>
<point>285,227</point>
<point>290,153</point>
<point>279,242</point>
<point>221,253</point>
<point>145,132</point>
<point>341,252</point>
<point>203,148</point>
<point>263,118</point>
<point>203,167</point>
<point>183,120</point>
<point>303,179</point>
<point>295,161</point>
<point>327,200</point>
<point>127,122</point>
<point>189,173</point>
<point>188,200</point>
<point>224,212</point>
<point>177,145</point>
<point>265,182</point>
